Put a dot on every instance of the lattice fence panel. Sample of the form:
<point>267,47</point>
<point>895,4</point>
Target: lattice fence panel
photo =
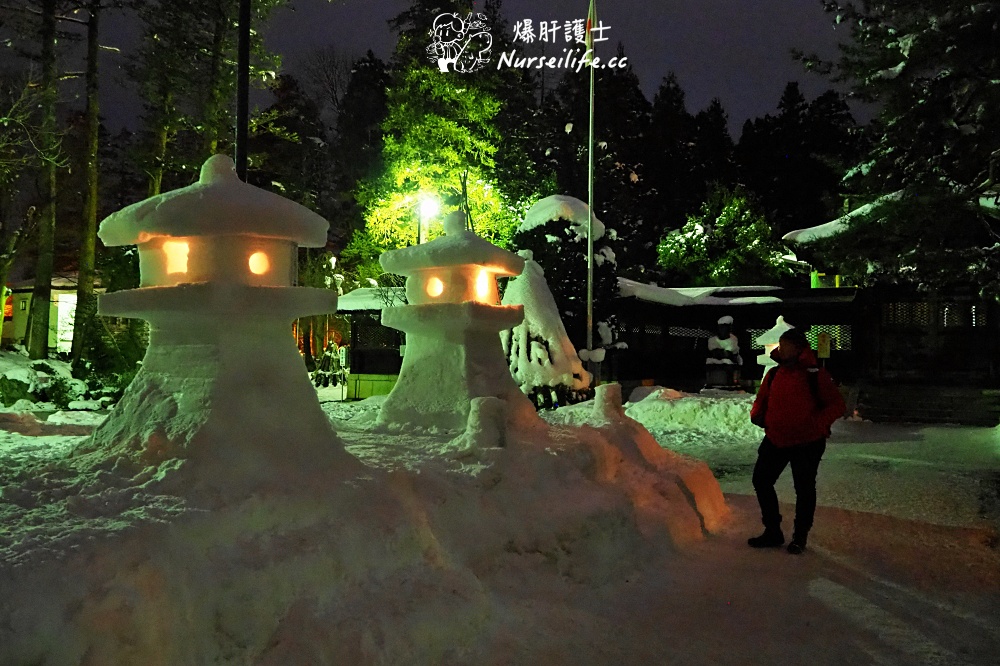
<point>906,314</point>
<point>372,335</point>
<point>682,332</point>
<point>754,334</point>
<point>841,334</point>
<point>978,315</point>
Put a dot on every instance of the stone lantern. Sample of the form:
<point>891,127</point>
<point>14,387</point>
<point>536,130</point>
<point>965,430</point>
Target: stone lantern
<point>452,324</point>
<point>222,377</point>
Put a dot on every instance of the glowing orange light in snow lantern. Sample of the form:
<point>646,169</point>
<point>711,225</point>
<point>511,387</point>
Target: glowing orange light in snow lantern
<point>259,263</point>
<point>483,285</point>
<point>435,287</point>
<point>177,256</point>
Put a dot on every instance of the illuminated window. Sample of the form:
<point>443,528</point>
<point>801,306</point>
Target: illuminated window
<point>177,256</point>
<point>435,287</point>
<point>482,285</point>
<point>259,263</point>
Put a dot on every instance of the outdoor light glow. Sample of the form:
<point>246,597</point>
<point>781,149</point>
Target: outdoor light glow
<point>435,287</point>
<point>482,285</point>
<point>177,256</point>
<point>429,207</point>
<point>259,263</point>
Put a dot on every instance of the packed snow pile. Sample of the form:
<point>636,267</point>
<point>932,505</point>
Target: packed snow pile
<point>539,350</point>
<point>416,551</point>
<point>723,412</point>
<point>27,385</point>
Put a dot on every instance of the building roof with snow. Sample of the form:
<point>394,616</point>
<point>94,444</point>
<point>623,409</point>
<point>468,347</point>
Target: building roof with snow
<point>219,204</point>
<point>742,295</point>
<point>457,247</point>
<point>371,299</point>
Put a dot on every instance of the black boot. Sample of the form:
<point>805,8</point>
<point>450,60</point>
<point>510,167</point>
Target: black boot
<point>797,545</point>
<point>772,537</point>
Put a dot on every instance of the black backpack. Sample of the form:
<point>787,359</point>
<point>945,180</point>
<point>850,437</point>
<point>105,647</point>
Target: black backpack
<point>812,376</point>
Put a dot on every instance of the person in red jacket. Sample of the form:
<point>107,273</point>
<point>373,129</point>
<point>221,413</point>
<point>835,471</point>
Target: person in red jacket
<point>796,405</point>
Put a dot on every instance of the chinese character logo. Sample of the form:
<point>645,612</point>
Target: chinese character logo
<point>460,45</point>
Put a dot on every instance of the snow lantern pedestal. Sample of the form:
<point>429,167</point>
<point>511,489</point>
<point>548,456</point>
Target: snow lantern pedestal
<point>452,325</point>
<point>769,340</point>
<point>222,380</point>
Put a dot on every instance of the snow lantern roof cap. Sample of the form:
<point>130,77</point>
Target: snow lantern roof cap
<point>771,336</point>
<point>218,204</point>
<point>458,246</point>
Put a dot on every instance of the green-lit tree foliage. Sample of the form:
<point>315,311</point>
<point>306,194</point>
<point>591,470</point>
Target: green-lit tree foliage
<point>728,242</point>
<point>931,68</point>
<point>443,128</point>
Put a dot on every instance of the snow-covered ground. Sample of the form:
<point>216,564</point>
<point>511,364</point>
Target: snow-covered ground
<point>554,556</point>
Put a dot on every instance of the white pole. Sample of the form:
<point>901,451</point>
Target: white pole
<point>590,209</point>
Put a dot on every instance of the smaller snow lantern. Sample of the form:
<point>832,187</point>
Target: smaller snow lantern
<point>222,373</point>
<point>452,325</point>
<point>769,340</point>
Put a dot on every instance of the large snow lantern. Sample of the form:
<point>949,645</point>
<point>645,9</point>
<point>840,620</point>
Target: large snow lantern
<point>217,262</point>
<point>452,324</point>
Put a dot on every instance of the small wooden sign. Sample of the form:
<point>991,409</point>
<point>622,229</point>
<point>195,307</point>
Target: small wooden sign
<point>823,343</point>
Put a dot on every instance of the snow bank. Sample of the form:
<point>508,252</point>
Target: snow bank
<point>22,379</point>
<point>724,412</point>
<point>418,552</point>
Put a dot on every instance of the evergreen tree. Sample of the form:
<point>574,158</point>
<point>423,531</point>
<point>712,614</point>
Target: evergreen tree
<point>729,242</point>
<point>542,359</point>
<point>357,146</point>
<point>794,161</point>
<point>554,230</point>
<point>186,74</point>
<point>441,139</point>
<point>929,67</point>
<point>712,148</point>
<point>38,25</point>
<point>623,197</point>
<point>670,164</point>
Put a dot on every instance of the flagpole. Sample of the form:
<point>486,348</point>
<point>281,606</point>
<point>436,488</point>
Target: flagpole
<point>243,88</point>
<point>590,194</point>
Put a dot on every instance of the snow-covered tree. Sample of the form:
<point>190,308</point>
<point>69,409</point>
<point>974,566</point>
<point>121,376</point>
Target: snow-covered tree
<point>555,230</point>
<point>931,67</point>
<point>728,242</point>
<point>542,359</point>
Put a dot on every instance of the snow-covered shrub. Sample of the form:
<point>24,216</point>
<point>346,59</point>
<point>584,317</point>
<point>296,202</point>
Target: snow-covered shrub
<point>555,230</point>
<point>542,359</point>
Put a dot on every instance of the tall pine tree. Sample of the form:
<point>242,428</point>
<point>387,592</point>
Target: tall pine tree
<point>931,68</point>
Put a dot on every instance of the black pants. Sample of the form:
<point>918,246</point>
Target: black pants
<point>771,462</point>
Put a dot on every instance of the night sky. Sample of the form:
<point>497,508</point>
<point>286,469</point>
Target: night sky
<point>737,50</point>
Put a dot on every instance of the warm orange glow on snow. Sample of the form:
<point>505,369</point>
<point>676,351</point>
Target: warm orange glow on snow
<point>177,256</point>
<point>435,287</point>
<point>483,285</point>
<point>259,263</point>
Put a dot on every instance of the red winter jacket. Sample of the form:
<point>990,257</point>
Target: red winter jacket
<point>791,415</point>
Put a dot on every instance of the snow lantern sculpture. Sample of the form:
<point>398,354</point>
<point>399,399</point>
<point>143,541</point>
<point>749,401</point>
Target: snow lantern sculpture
<point>217,263</point>
<point>452,324</point>
<point>769,340</point>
